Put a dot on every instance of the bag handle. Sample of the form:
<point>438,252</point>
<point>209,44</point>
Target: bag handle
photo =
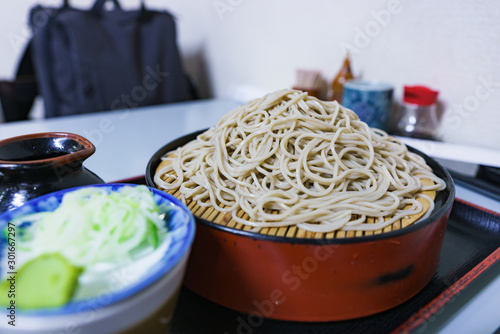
<point>99,5</point>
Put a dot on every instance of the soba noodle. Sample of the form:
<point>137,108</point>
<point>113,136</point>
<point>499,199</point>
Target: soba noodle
<point>290,159</point>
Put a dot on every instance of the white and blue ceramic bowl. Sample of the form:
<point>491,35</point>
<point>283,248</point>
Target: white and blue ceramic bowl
<point>147,304</point>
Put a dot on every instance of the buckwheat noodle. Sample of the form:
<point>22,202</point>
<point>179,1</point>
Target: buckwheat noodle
<point>291,159</point>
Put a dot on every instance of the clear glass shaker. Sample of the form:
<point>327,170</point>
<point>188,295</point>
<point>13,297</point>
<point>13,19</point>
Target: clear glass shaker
<point>417,115</point>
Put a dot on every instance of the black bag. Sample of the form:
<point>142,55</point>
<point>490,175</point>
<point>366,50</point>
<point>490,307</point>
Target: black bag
<point>96,60</point>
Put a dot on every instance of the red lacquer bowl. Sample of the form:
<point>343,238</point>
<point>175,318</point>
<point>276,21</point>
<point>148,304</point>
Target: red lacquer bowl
<point>314,279</point>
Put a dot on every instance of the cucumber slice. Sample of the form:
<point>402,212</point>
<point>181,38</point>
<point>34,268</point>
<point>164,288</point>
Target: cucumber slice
<point>4,293</point>
<point>46,281</point>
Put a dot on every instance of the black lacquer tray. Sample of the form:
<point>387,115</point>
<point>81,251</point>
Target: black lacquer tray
<point>470,258</point>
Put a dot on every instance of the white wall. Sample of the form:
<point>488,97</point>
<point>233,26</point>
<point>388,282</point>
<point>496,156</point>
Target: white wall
<point>234,45</point>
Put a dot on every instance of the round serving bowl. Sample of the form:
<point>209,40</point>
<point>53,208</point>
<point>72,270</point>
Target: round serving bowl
<point>147,304</point>
<point>306,279</point>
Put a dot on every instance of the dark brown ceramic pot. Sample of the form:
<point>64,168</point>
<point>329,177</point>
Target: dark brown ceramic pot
<point>304,279</point>
<point>36,164</point>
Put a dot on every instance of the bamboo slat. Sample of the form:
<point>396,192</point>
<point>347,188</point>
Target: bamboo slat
<point>225,218</point>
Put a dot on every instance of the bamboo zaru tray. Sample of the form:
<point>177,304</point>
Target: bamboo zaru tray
<point>225,218</point>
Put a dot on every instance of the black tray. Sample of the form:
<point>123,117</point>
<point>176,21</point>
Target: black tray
<point>470,258</point>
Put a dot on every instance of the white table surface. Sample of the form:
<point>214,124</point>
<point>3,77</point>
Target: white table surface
<point>126,140</point>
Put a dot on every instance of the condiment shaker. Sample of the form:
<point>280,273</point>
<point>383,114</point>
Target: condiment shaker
<point>417,115</point>
<point>337,85</point>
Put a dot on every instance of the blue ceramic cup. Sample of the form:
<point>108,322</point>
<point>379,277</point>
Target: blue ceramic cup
<point>370,100</point>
